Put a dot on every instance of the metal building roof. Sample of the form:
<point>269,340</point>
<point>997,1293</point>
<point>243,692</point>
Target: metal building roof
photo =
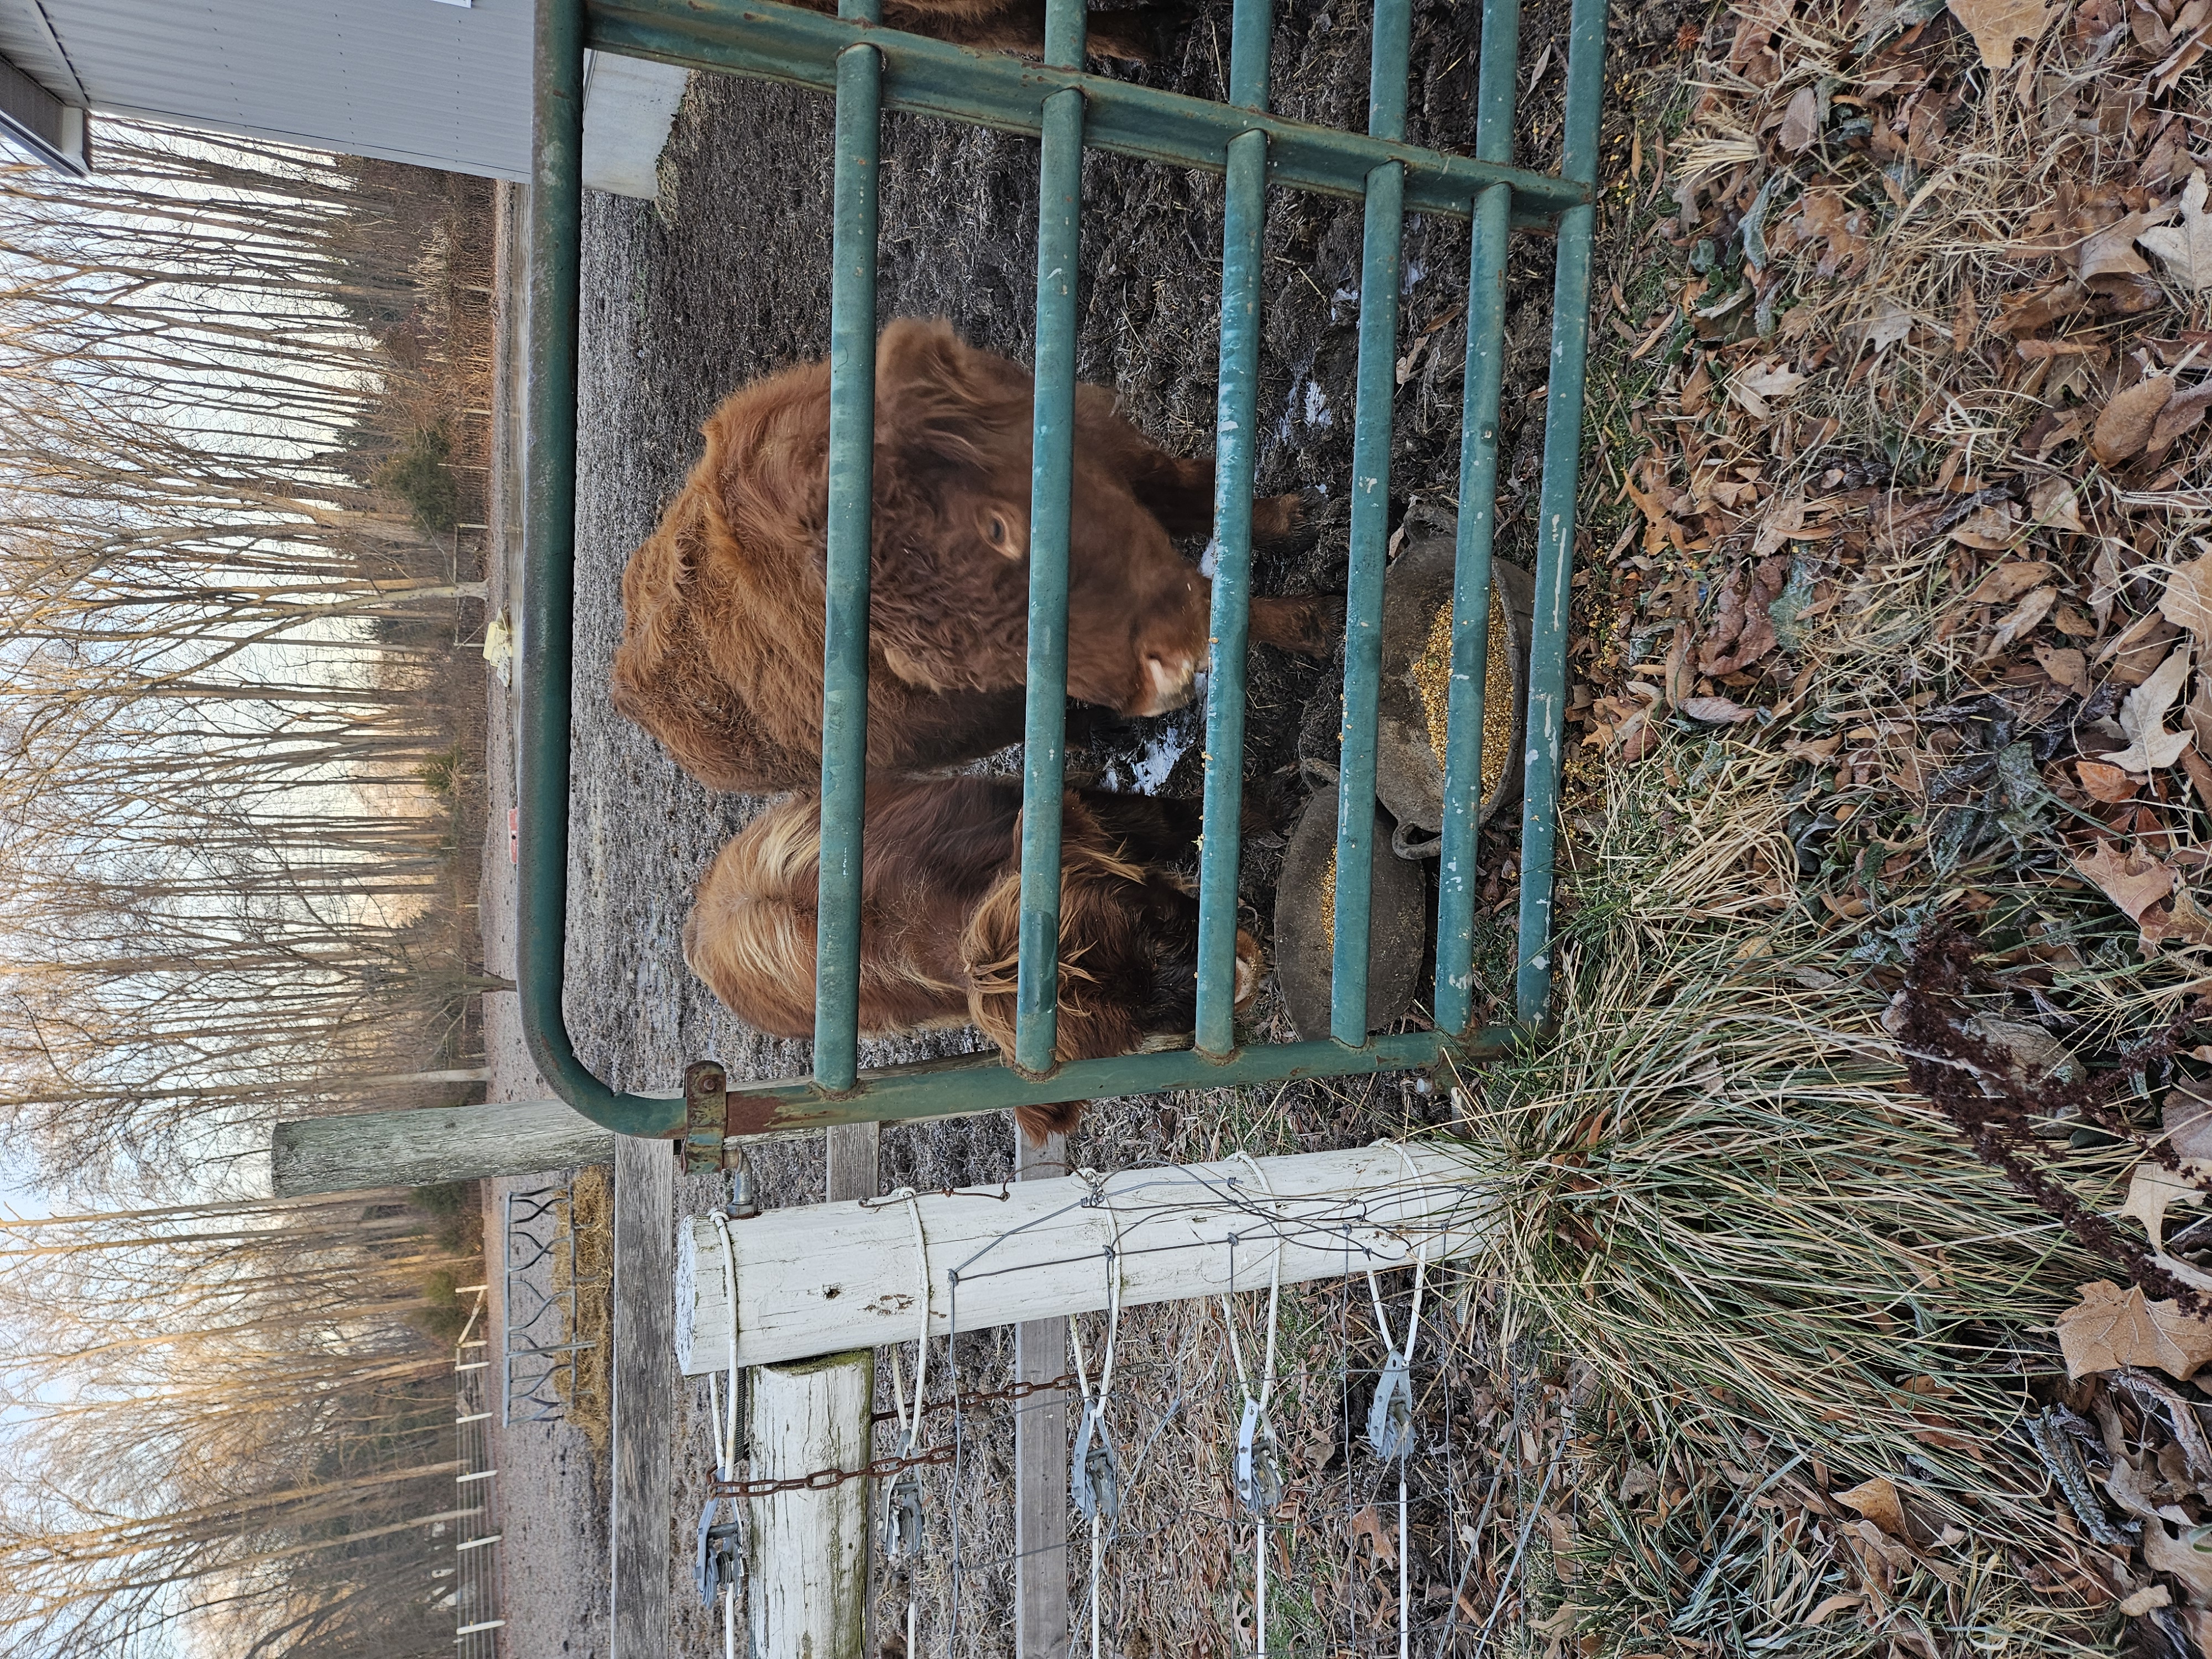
<point>439,84</point>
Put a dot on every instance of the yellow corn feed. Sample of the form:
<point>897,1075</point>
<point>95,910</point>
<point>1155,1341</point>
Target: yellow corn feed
<point>1432,674</point>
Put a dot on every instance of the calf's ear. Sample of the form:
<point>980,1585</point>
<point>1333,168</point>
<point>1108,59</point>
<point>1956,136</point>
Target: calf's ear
<point>936,395</point>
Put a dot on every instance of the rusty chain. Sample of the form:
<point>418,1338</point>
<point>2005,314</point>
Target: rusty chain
<point>824,1480</point>
<point>985,1397</point>
<point>883,1467</point>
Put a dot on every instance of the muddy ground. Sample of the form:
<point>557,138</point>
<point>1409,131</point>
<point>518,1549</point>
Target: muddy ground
<point>724,280</point>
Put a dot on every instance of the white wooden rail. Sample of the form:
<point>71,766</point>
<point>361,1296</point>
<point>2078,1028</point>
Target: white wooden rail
<point>833,1278</point>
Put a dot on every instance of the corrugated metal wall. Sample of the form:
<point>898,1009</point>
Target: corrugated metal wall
<point>444,86</point>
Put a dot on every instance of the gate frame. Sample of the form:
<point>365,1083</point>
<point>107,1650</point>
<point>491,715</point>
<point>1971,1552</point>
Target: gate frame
<point>872,68</point>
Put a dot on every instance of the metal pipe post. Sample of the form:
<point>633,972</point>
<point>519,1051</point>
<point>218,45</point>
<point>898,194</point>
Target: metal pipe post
<point>1482,389</point>
<point>1555,536</point>
<point>1060,211</point>
<point>1376,392</point>
<point>1235,457</point>
<point>845,577</point>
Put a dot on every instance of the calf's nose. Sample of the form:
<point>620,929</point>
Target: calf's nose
<point>1168,680</point>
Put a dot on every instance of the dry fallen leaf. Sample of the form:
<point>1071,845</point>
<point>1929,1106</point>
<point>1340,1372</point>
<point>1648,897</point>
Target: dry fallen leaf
<point>2142,717</point>
<point>2186,413</point>
<point>2110,251</point>
<point>2188,597</point>
<point>2184,918</point>
<point>2153,1189</point>
<point>1801,122</point>
<point>1770,380</point>
<point>2124,428</point>
<point>2186,1117</point>
<point>1878,1500</point>
<point>1890,323</point>
<point>1996,24</point>
<point>2102,783</point>
<point>2188,1558</point>
<point>2054,503</point>
<point>2185,250</point>
<point>1715,711</point>
<point>1368,1524</point>
<point>1841,1601</point>
<point>2067,668</point>
<point>2134,881</point>
<point>2022,619</point>
<point>2108,1329</point>
<point>2004,583</point>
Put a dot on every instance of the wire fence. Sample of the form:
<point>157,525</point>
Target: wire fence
<point>474,1574</point>
<point>1323,1454</point>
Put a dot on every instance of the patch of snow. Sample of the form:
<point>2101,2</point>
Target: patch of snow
<point>1161,753</point>
<point>1411,279</point>
<point>1317,413</point>
<point>1210,560</point>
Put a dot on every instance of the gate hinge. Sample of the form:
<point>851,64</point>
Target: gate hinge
<point>705,1115</point>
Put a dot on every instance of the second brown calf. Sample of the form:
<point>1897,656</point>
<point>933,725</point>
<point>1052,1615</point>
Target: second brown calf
<point>940,919</point>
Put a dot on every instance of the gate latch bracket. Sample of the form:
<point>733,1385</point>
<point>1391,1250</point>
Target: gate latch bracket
<point>705,1115</point>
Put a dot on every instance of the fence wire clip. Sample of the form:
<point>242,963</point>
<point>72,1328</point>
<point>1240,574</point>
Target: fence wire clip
<point>902,1516</point>
<point>1390,1419</point>
<point>1095,1471</point>
<point>719,1564</point>
<point>1259,1468</point>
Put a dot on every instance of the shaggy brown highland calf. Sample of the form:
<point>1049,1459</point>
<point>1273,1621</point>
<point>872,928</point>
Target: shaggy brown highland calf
<point>1136,35</point>
<point>940,919</point>
<point>721,652</point>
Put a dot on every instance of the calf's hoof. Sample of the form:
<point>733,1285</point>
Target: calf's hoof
<point>1307,624</point>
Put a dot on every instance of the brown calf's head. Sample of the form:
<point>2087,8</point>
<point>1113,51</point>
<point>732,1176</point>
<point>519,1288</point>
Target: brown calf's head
<point>950,582</point>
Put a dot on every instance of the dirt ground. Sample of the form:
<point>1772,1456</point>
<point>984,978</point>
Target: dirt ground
<point>721,281</point>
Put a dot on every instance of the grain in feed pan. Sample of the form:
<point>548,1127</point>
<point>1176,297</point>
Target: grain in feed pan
<point>1416,686</point>
<point>1305,923</point>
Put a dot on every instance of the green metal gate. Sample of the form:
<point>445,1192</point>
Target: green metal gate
<point>870,70</point>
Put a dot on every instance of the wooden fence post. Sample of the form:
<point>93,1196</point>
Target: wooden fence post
<point>807,1574</point>
<point>354,1151</point>
<point>1041,1457</point>
<point>807,1577</point>
<point>644,1396</point>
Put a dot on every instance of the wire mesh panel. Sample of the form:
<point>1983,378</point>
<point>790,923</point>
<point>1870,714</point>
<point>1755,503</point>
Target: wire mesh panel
<point>871,70</point>
<point>540,1336</point>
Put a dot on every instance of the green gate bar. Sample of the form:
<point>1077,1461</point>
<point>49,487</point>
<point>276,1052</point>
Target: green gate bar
<point>873,69</point>
<point>845,567</point>
<point>1555,512</point>
<point>1374,405</point>
<point>1480,390</point>
<point>1060,211</point>
<point>1236,455</point>
<point>773,42</point>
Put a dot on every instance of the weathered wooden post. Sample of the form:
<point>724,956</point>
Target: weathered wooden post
<point>644,1406</point>
<point>353,1151</point>
<point>806,1552</point>
<point>1041,1457</point>
<point>831,1278</point>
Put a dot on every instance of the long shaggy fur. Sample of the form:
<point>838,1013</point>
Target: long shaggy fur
<point>940,919</point>
<point>1136,35</point>
<point>721,653</point>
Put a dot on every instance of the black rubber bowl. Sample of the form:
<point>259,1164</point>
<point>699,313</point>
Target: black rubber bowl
<point>1305,923</point>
